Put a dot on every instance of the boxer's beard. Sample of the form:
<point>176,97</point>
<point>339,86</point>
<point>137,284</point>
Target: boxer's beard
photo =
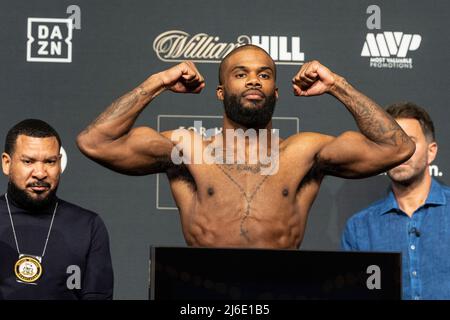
<point>256,117</point>
<point>23,200</point>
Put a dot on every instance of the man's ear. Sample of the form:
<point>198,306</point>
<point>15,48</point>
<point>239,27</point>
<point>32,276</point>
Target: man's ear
<point>6,163</point>
<point>219,92</point>
<point>60,162</point>
<point>276,93</point>
<point>432,152</point>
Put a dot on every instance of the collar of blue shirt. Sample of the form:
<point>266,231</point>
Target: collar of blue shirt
<point>435,197</point>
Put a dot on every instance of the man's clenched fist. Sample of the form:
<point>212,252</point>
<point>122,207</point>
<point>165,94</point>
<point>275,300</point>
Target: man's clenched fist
<point>313,79</point>
<point>182,78</point>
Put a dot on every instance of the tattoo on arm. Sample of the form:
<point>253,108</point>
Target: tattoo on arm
<point>142,91</point>
<point>371,119</point>
<point>118,108</point>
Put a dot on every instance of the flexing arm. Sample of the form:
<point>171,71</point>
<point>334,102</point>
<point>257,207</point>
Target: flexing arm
<point>381,145</point>
<point>111,141</point>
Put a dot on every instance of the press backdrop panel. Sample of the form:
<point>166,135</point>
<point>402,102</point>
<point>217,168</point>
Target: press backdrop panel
<point>74,57</point>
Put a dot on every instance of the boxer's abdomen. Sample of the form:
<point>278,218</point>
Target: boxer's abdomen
<point>234,224</point>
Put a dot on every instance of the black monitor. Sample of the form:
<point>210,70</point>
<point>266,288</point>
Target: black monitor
<point>266,274</point>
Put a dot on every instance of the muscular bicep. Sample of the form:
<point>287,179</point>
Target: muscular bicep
<point>352,155</point>
<point>141,151</point>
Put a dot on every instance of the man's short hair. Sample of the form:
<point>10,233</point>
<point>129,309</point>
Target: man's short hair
<point>236,50</point>
<point>30,128</point>
<point>409,110</point>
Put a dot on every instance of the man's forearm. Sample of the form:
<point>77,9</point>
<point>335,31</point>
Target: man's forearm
<point>372,120</point>
<point>120,116</point>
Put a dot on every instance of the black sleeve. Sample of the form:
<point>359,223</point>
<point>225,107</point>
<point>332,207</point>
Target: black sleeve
<point>98,280</point>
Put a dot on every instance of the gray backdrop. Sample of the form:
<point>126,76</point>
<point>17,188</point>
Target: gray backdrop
<point>113,51</point>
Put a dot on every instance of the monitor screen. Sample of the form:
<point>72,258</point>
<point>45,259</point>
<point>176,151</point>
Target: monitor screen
<point>266,274</point>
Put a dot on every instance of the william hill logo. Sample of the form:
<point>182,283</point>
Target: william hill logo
<point>176,46</point>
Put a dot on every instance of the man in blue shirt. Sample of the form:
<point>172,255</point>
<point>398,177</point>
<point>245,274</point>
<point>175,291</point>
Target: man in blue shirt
<point>414,218</point>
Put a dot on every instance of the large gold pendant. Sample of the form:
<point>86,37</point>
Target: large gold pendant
<point>28,269</point>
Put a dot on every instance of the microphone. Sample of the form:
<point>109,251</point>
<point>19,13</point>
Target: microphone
<point>415,231</point>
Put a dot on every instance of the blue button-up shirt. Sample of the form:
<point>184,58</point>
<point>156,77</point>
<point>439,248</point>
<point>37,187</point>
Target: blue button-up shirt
<point>423,240</point>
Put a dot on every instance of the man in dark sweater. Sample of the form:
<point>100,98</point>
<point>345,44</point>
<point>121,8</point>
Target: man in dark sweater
<point>49,248</point>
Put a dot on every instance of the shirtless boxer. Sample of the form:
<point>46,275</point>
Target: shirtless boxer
<point>233,205</point>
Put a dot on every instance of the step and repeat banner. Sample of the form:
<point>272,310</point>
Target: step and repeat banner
<point>66,61</point>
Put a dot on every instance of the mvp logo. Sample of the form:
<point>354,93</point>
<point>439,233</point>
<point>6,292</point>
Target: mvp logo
<point>389,44</point>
